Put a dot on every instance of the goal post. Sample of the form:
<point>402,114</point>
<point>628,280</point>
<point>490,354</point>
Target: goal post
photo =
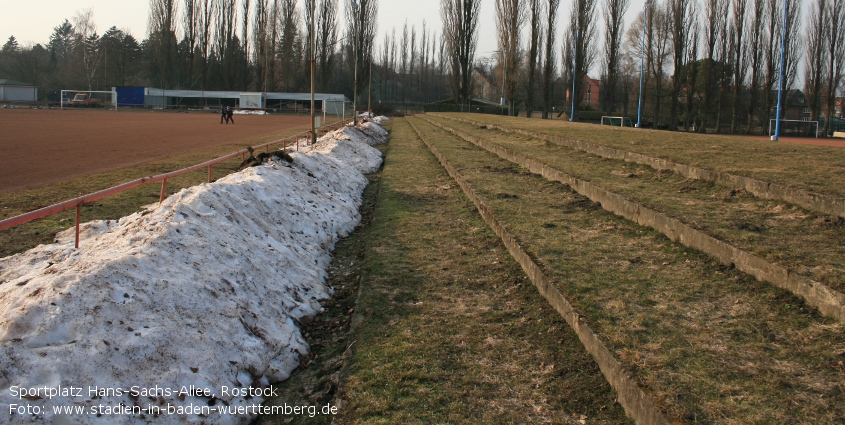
<point>616,121</point>
<point>89,99</point>
<point>795,128</point>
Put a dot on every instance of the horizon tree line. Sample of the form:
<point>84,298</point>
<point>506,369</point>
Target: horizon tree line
<point>709,65</point>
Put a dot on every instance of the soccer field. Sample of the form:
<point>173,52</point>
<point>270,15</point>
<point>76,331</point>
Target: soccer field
<point>45,146</point>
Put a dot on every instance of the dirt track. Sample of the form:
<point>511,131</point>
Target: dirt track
<point>44,146</point>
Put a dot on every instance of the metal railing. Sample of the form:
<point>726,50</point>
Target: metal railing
<point>91,197</point>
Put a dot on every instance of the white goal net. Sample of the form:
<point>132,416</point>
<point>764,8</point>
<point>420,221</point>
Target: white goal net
<point>795,128</point>
<point>616,121</point>
<point>89,99</point>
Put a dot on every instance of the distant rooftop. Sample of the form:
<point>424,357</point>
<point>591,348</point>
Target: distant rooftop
<point>5,82</point>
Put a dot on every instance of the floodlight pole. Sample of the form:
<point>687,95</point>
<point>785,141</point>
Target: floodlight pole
<point>312,40</point>
<point>504,77</point>
<point>574,75</point>
<point>642,66</point>
<point>780,82</point>
<point>370,84</point>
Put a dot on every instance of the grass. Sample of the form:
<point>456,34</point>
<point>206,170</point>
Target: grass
<point>450,329</point>
<point>807,242</point>
<point>711,344</point>
<point>42,231</point>
<point>815,168</point>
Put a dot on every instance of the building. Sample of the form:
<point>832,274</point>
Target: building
<point>154,98</point>
<point>839,110</point>
<point>15,91</point>
<point>590,92</point>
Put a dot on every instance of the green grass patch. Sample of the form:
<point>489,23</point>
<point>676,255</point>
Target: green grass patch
<point>815,168</point>
<point>711,344</point>
<point>807,242</point>
<point>42,231</point>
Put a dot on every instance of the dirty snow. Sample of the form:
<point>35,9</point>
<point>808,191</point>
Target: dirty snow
<point>205,290</point>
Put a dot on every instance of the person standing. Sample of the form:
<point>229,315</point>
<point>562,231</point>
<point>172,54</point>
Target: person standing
<point>224,115</point>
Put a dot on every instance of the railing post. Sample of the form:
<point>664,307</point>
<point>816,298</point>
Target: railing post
<point>163,191</point>
<point>78,208</point>
<point>209,173</point>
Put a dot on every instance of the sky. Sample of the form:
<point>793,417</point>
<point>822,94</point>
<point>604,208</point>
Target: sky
<point>32,23</point>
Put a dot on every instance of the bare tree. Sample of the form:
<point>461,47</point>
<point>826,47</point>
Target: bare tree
<point>714,31</point>
<point>243,52</point>
<point>412,59</point>
<point>756,22</point>
<point>724,76</point>
<point>423,61</point>
<point>393,60</point>
<point>771,56</point>
<point>361,23</point>
<point>816,59</point>
<point>260,42</point>
<point>460,33</point>
<point>614,23</point>
<point>681,24</point>
<point>658,36</point>
<point>794,44</point>
<point>190,25</point>
<point>88,45</point>
<point>403,71</point>
<point>288,46</point>
<point>836,57</point>
<point>549,65</point>
<point>580,42</point>
<point>206,16</point>
<point>535,44</point>
<point>326,39</point>
<point>738,56</point>
<point>510,17</point>
<point>691,68</point>
<point>162,40</point>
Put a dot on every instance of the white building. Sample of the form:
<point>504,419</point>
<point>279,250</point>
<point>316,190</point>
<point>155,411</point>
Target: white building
<point>15,91</point>
<point>333,104</point>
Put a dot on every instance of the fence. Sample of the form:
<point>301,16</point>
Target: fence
<point>91,197</point>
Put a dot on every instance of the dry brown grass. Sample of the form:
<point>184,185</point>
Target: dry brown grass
<point>452,331</point>
<point>810,243</point>
<point>814,168</point>
<point>711,344</point>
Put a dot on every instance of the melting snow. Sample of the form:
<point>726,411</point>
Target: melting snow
<point>204,291</point>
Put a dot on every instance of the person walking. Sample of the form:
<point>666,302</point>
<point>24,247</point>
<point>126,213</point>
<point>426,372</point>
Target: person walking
<point>230,115</point>
<point>224,115</point>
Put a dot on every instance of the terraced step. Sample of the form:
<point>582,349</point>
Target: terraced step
<point>708,344</point>
<point>801,247</point>
<point>810,199</point>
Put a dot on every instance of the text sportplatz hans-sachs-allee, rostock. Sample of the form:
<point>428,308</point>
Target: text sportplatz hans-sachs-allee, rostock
<point>45,392</point>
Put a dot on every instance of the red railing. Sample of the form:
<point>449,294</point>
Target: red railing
<point>91,197</point>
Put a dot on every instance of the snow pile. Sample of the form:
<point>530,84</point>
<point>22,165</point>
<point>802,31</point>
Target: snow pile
<point>168,306</point>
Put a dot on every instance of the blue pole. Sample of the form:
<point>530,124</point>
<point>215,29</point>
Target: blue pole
<point>574,76</point>
<point>642,62</point>
<point>780,82</point>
